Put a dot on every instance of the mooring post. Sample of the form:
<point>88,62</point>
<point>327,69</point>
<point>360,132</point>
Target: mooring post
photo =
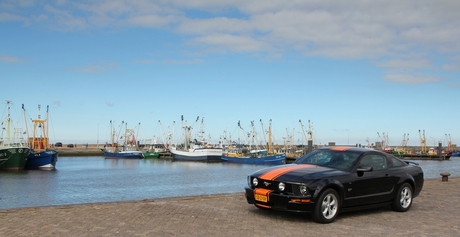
<point>445,176</point>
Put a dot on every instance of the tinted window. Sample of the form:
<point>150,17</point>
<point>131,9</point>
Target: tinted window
<point>395,162</point>
<point>342,160</point>
<point>378,162</point>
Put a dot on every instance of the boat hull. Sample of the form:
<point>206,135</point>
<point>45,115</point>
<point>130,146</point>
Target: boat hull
<point>123,155</point>
<point>203,155</point>
<point>42,160</point>
<point>13,158</point>
<point>278,159</point>
<point>151,155</point>
<point>423,157</point>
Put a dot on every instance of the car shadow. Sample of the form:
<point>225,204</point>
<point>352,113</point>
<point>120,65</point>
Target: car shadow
<point>294,217</point>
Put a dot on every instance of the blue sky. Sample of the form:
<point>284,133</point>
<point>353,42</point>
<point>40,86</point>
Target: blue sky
<point>355,69</point>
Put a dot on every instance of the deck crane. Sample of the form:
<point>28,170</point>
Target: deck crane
<point>405,140</point>
<point>310,131</point>
<point>263,131</point>
<point>243,133</point>
<point>368,142</point>
<point>384,139</point>
<point>449,143</point>
<point>166,136</point>
<point>422,140</point>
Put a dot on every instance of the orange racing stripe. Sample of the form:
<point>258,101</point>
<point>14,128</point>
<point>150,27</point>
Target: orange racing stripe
<point>340,148</point>
<point>273,174</point>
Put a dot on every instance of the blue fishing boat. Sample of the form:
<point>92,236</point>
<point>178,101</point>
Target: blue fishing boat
<point>277,159</point>
<point>40,155</point>
<point>45,159</point>
<point>253,154</point>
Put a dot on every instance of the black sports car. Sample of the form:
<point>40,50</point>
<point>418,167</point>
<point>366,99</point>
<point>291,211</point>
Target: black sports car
<point>329,180</point>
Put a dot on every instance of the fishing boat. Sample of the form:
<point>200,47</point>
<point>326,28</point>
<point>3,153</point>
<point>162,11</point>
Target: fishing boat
<point>253,154</point>
<point>151,150</point>
<point>196,149</point>
<point>258,158</point>
<point>127,150</point>
<point>13,157</point>
<point>13,151</point>
<point>40,155</point>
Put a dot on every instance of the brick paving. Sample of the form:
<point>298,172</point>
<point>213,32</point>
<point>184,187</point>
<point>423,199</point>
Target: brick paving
<point>433,213</point>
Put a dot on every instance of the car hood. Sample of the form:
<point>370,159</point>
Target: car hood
<point>296,172</point>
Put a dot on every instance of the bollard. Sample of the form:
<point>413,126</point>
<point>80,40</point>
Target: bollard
<point>445,176</point>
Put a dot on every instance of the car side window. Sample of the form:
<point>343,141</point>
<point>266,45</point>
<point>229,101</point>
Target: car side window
<point>394,162</point>
<point>377,162</point>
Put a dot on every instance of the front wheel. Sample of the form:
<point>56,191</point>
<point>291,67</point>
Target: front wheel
<point>327,207</point>
<point>403,200</point>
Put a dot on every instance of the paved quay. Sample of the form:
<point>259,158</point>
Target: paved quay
<point>433,213</point>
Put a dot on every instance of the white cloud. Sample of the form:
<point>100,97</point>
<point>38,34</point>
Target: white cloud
<point>10,59</point>
<point>412,79</point>
<point>396,35</point>
<point>231,43</point>
<point>94,68</point>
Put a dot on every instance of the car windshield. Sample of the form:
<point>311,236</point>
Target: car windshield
<point>341,160</point>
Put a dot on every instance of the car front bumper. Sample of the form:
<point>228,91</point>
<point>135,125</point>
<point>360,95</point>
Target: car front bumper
<point>280,202</point>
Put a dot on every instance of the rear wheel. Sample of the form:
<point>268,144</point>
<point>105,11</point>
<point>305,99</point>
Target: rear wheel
<point>327,207</point>
<point>403,200</point>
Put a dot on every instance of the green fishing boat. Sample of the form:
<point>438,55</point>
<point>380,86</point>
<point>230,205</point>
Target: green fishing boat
<point>13,158</point>
<point>13,154</point>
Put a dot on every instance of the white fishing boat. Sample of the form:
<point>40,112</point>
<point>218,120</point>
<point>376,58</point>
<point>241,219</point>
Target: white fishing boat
<point>196,149</point>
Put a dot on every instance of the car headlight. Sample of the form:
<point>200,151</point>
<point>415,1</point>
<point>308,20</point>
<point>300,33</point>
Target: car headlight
<point>255,182</point>
<point>303,189</point>
<point>281,186</point>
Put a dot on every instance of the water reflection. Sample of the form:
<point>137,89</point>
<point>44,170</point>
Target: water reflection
<point>95,179</point>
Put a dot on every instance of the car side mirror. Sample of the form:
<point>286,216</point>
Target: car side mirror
<point>362,169</point>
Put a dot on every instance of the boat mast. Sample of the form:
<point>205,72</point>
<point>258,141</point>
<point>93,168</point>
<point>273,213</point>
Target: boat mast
<point>263,132</point>
<point>270,142</point>
<point>112,134</point>
<point>7,141</point>
<point>27,127</point>
<point>253,137</point>
<point>119,131</point>
<point>422,141</point>
<point>303,130</point>
<point>137,134</point>
<point>46,128</point>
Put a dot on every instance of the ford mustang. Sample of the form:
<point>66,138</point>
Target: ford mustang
<point>330,180</point>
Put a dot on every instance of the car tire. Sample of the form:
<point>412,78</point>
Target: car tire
<point>403,199</point>
<point>327,207</point>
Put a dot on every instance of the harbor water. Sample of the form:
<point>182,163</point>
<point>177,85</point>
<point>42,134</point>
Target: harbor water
<point>79,180</point>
